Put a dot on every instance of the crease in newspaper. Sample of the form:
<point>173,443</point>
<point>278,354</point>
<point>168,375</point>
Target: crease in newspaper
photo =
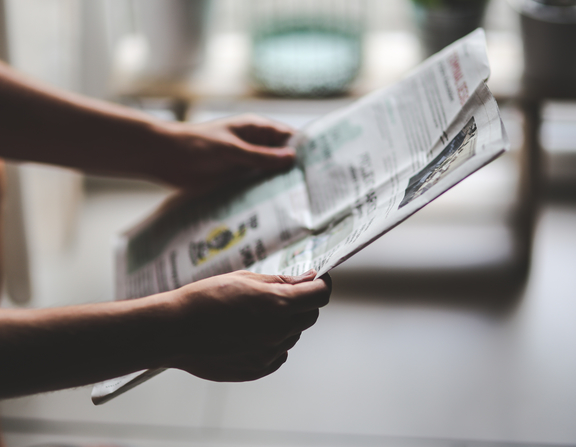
<point>478,138</point>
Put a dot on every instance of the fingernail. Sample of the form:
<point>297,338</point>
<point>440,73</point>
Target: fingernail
<point>286,150</point>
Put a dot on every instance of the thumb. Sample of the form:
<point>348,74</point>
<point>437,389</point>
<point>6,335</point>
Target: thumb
<point>304,277</point>
<point>262,157</point>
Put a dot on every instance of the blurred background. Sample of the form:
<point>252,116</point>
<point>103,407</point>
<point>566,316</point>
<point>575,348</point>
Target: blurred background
<point>456,328</point>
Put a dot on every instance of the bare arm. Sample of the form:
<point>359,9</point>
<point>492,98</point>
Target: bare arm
<point>44,124</point>
<point>233,327</point>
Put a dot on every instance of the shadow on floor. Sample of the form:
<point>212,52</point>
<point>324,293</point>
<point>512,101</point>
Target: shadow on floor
<point>495,290</point>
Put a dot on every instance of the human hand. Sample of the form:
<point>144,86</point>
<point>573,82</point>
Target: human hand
<point>240,326</point>
<point>214,154</point>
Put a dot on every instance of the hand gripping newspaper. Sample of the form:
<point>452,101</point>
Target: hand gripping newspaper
<point>360,171</point>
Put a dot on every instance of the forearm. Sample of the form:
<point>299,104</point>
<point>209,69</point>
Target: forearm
<point>44,124</point>
<point>232,327</point>
<point>49,349</point>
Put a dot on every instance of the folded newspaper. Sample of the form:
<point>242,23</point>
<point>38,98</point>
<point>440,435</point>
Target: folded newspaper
<point>360,171</point>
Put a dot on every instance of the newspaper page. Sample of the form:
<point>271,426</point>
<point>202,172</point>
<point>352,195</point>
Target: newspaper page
<point>360,171</point>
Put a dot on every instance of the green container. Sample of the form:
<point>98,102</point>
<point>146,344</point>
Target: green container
<point>306,49</point>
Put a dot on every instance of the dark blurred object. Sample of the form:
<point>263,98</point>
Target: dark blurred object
<point>441,22</point>
<point>306,49</point>
<point>558,141</point>
<point>549,37</point>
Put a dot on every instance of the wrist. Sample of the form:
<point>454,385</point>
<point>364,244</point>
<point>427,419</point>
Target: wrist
<point>163,153</point>
<point>170,325</point>
<point>154,326</point>
<point>153,148</point>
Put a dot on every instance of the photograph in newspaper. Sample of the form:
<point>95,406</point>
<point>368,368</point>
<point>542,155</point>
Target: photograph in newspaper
<point>461,148</point>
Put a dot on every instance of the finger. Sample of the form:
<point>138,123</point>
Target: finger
<point>275,332</point>
<point>303,321</point>
<point>327,279</point>
<point>261,357</point>
<point>295,324</point>
<point>263,135</point>
<point>242,374</point>
<point>307,296</point>
<point>262,157</point>
<point>299,293</point>
<point>260,130</point>
<point>266,358</point>
<point>285,279</point>
<point>261,120</point>
<point>274,366</point>
<point>306,276</point>
<point>278,351</point>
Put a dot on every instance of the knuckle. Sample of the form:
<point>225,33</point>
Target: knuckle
<point>238,275</point>
<point>282,279</point>
<point>279,301</point>
<point>283,305</point>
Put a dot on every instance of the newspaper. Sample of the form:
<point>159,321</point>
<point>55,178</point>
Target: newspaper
<point>360,171</point>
